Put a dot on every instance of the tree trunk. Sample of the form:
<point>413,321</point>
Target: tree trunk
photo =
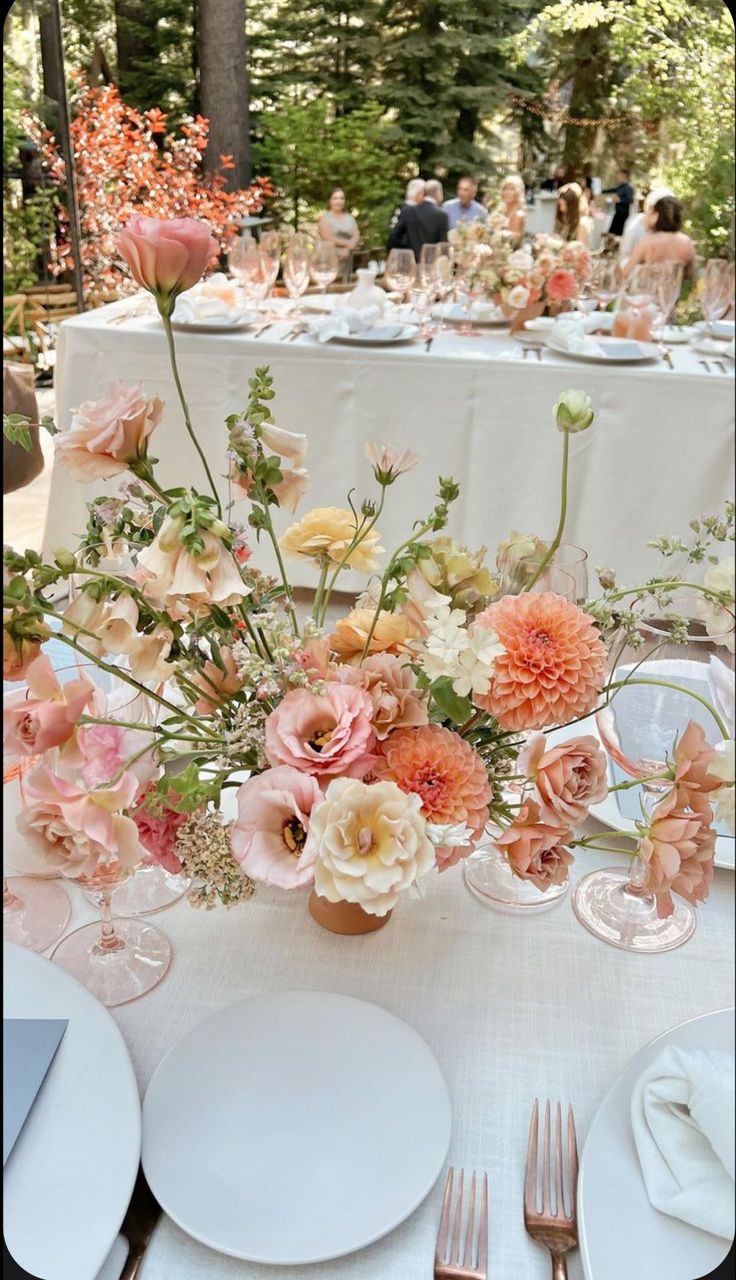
<point>52,82</point>
<point>588,99</point>
<point>134,37</point>
<point>224,86</point>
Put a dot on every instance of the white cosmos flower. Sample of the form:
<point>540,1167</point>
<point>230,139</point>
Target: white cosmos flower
<point>451,835</point>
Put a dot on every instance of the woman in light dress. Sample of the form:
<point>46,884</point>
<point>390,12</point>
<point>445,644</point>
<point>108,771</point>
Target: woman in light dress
<point>339,227</point>
<point>663,241</point>
<point>513,204</point>
<point>573,222</point>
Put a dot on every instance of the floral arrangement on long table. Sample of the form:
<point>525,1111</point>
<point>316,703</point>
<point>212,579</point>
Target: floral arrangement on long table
<point>367,755</point>
<point>543,274</point>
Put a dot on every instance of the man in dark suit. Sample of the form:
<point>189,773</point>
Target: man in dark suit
<point>623,194</point>
<point>419,224</point>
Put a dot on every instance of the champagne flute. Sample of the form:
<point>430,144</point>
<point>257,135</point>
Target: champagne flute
<point>270,244</point>
<point>400,272</point>
<point>324,265</point>
<point>716,293</point>
<point>667,286</point>
<point>296,270</point>
<point>255,271</point>
<point>607,281</point>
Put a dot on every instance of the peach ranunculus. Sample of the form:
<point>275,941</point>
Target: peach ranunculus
<point>448,776</point>
<point>535,850</point>
<point>371,844</point>
<point>569,778</point>
<point>166,255</point>
<point>323,734</point>
<point>693,758</point>
<point>74,831</point>
<point>180,582</point>
<point>217,685</point>
<point>561,286</point>
<point>392,687</point>
<point>677,850</point>
<point>327,532</point>
<point>392,634</point>
<point>553,666</point>
<point>49,717</point>
<point>270,836</point>
<point>108,435</point>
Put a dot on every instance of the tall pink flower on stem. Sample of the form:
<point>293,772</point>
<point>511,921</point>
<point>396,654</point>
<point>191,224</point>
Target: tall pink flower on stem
<point>166,255</point>
<point>270,836</point>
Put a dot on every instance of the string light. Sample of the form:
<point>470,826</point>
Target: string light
<point>560,116</point>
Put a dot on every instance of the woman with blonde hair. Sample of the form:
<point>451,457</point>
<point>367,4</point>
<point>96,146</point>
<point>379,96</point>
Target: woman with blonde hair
<point>573,221</point>
<point>513,204</point>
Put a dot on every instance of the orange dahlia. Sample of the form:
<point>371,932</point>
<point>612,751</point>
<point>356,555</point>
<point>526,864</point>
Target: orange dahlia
<point>447,774</point>
<point>554,664</point>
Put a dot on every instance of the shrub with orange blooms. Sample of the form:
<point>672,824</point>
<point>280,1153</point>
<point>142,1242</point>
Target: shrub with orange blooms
<point>128,162</point>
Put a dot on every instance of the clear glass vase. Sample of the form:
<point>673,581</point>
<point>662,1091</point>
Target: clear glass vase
<point>490,878</point>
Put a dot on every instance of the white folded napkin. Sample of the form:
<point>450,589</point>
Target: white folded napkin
<point>213,299</point>
<point>572,335</point>
<point>682,1115</point>
<point>343,321</point>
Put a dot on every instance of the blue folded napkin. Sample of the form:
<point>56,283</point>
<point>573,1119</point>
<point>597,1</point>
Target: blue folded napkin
<point>29,1047</point>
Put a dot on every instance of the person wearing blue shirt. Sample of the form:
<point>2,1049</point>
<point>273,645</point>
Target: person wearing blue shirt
<point>465,208</point>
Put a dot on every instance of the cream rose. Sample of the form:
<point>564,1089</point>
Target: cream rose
<point>328,531</point>
<point>371,844</point>
<point>719,619</point>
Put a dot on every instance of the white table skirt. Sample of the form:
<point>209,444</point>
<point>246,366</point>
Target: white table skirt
<point>512,1008</point>
<point>660,451</point>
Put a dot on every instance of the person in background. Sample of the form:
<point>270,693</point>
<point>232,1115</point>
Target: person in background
<point>573,221</point>
<point>414,195</point>
<point>637,226</point>
<point>623,194</point>
<point>513,204</point>
<point>663,240</point>
<point>557,179</point>
<point>465,207</point>
<point>421,224</point>
<point>339,227</point>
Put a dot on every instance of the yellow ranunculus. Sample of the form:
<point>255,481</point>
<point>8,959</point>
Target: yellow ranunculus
<point>328,531</point>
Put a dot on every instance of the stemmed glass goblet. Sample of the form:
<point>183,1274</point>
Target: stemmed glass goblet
<point>716,287</point>
<point>400,272</point>
<point>296,271</point>
<point>324,265</point>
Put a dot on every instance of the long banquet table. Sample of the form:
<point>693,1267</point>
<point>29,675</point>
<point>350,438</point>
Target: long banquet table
<point>660,450</point>
<point>512,1009</point>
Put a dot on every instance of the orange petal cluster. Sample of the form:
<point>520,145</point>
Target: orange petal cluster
<point>554,664</point>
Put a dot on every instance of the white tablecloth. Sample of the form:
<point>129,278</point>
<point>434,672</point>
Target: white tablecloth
<point>511,1008</point>
<point>660,451</point>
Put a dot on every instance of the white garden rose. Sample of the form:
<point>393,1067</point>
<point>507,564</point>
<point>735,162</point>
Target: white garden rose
<point>371,843</point>
<point>719,619</point>
<point>724,799</point>
<point>518,297</point>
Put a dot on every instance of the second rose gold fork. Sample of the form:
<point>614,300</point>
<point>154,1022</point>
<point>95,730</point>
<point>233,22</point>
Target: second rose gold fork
<point>558,1231</point>
<point>451,1260</point>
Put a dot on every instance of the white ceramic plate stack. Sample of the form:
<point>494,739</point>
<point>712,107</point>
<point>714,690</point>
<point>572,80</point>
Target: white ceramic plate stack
<point>321,1122</point>
<point>606,350</point>
<point>383,335</point>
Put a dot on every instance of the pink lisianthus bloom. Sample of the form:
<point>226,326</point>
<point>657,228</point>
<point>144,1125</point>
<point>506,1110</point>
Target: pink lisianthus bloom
<point>107,435</point>
<point>536,850</point>
<point>270,836</point>
<point>569,778</point>
<point>166,255</point>
<point>158,832</point>
<point>677,851</point>
<point>326,735</point>
<point>49,717</point>
<point>75,832</point>
<point>561,286</point>
<point>105,749</point>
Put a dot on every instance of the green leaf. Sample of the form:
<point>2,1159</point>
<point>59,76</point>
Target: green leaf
<point>16,429</point>
<point>450,704</point>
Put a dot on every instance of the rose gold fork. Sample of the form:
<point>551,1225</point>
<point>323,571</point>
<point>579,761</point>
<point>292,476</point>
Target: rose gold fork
<point>558,1231</point>
<point>447,1263</point>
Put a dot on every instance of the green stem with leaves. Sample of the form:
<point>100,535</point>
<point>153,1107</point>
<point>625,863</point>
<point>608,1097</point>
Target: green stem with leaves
<point>667,684</point>
<point>165,314</point>
<point>425,528</point>
<point>262,500</point>
<point>563,515</point>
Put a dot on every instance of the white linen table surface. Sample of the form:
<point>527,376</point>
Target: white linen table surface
<point>660,450</point>
<point>511,1008</point>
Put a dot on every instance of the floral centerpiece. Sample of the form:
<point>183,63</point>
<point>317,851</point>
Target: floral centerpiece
<point>366,753</point>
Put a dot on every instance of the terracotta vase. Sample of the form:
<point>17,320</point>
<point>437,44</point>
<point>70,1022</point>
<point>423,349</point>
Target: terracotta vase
<point>519,315</point>
<point>344,917</point>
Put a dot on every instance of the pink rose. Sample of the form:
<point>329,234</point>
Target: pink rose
<point>535,849</point>
<point>327,735</point>
<point>270,836</point>
<point>569,778</point>
<point>107,435</point>
<point>49,716</point>
<point>677,851</point>
<point>561,286</point>
<point>166,255</point>
<point>392,687</point>
<point>75,832</point>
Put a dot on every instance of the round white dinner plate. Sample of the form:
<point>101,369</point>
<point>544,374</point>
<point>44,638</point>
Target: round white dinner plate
<point>618,350</point>
<point>295,1126</point>
<point>70,1176</point>
<point>541,324</point>
<point>384,335</point>
<point>620,1233</point>
<point>608,811</point>
<point>216,324</point>
<point>675,334</point>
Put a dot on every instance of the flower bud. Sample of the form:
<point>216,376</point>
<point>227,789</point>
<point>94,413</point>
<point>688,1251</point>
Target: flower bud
<point>574,411</point>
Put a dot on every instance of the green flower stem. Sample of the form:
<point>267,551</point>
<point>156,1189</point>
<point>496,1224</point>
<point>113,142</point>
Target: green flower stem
<point>664,584</point>
<point>166,318</point>
<point>637,782</point>
<point>268,526</point>
<point>360,535</point>
<point>317,606</point>
<point>563,514</point>
<point>667,684</point>
<point>142,728</point>
<point>428,524</point>
<point>605,848</point>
